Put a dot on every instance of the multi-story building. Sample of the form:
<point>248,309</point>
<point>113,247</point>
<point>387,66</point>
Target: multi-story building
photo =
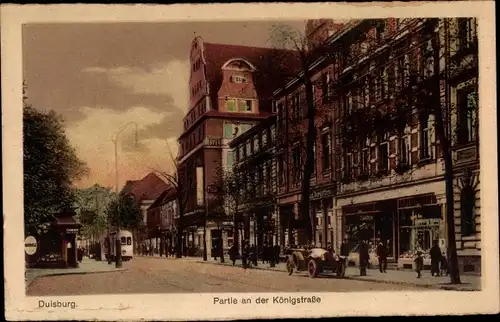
<point>460,69</point>
<point>161,217</point>
<point>230,91</point>
<point>255,169</point>
<point>376,92</point>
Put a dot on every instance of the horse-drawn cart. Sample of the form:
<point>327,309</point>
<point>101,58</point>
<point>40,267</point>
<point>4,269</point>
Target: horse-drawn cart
<point>315,261</point>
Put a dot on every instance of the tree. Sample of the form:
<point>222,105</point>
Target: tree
<point>127,212</point>
<point>50,166</point>
<point>286,37</point>
<point>182,192</point>
<point>225,197</point>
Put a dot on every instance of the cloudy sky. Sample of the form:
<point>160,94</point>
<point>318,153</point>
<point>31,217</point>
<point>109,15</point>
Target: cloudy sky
<point>99,77</point>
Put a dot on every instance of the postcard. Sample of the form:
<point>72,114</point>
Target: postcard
<point>238,161</point>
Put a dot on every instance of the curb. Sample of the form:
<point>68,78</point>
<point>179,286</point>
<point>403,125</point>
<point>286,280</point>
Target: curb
<point>75,273</point>
<point>373,280</point>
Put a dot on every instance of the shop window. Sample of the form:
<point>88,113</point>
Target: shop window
<point>129,241</point>
<point>467,210</point>
<point>467,109</point>
<point>325,149</point>
<point>230,105</point>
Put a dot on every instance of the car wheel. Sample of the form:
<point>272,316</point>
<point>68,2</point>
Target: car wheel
<point>289,267</point>
<point>312,268</point>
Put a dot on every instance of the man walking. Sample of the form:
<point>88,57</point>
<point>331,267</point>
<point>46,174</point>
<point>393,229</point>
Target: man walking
<point>435,259</point>
<point>363,258</point>
<point>382,257</point>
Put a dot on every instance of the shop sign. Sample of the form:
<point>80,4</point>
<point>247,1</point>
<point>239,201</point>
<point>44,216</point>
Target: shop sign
<point>226,223</point>
<point>72,230</point>
<point>322,194</point>
<point>366,218</point>
<point>30,245</point>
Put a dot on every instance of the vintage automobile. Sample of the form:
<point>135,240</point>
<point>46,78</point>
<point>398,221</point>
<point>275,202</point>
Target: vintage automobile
<point>316,261</point>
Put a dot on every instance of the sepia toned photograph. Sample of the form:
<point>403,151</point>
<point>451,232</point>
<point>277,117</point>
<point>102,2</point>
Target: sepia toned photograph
<point>291,159</point>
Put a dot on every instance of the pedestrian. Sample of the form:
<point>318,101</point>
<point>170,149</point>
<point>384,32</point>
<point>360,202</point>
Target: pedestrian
<point>382,257</point>
<point>419,263</point>
<point>344,248</point>
<point>444,264</point>
<point>435,253</point>
<point>264,255</point>
<point>329,248</point>
<point>245,252</point>
<point>233,252</point>
<point>276,254</point>
<point>363,257</point>
<point>253,254</point>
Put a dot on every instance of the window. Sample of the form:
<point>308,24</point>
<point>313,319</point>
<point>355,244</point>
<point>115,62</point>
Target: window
<point>123,240</point>
<point>230,105</point>
<point>269,174</point>
<point>280,115</point>
<point>347,167</point>
<point>465,32</point>
<point>404,149</point>
<point>383,154</point>
<point>467,211</point>
<point>364,162</point>
<point>265,134</point>
<point>246,106</point>
<point>326,90</point>
<point>467,109</point>
<point>429,61</point>
<point>239,79</point>
<point>314,157</point>
<point>256,144</point>
<point>296,163</point>
<point>229,159</point>
<point>325,149</point>
<point>129,241</point>
<point>249,148</point>
<point>281,169</point>
<point>228,131</point>
<point>295,107</point>
<point>424,138</point>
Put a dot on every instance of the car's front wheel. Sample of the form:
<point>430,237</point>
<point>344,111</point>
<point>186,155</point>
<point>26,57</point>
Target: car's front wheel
<point>312,268</point>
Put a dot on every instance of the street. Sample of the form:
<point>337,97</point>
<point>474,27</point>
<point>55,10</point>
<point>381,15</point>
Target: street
<point>151,275</point>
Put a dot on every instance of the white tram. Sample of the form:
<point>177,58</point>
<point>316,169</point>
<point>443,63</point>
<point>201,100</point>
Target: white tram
<point>126,241</point>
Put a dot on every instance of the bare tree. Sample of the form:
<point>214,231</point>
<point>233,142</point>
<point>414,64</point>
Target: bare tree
<point>182,193</point>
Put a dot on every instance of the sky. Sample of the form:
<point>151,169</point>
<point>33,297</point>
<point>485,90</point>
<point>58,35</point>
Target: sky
<point>101,76</point>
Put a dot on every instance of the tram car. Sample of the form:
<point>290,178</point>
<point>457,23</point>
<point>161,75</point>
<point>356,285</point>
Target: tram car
<point>108,245</point>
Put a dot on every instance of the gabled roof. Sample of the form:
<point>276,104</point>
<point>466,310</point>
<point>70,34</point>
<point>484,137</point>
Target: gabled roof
<point>149,188</point>
<point>165,196</point>
<point>273,66</point>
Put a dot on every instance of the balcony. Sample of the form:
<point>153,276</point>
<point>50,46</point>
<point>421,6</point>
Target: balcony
<point>211,141</point>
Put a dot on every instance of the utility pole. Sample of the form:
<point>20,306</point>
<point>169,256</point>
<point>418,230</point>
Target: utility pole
<point>118,246</point>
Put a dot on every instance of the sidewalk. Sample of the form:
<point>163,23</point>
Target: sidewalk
<point>87,266</point>
<point>469,282</point>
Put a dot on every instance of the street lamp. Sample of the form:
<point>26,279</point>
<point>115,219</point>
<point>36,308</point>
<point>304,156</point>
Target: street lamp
<point>118,248</point>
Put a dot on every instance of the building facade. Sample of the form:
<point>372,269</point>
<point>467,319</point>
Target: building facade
<point>379,170</point>
<point>161,216</point>
<point>231,90</point>
<point>254,174</point>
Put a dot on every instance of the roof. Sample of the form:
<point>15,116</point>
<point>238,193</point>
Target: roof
<point>164,197</point>
<point>63,220</point>
<point>149,188</point>
<point>273,66</point>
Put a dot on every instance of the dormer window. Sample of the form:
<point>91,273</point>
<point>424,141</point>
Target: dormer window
<point>239,79</point>
<point>246,106</point>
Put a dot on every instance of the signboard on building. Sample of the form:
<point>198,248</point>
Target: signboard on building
<point>30,245</point>
<point>72,230</point>
<point>322,194</point>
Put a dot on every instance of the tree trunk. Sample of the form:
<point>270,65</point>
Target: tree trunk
<point>445,143</point>
<point>180,230</point>
<point>310,142</point>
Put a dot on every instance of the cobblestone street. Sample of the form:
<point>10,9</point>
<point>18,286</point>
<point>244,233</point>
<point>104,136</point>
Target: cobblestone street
<point>152,275</point>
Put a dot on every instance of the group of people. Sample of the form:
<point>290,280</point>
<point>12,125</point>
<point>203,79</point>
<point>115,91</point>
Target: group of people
<point>439,263</point>
<point>250,254</point>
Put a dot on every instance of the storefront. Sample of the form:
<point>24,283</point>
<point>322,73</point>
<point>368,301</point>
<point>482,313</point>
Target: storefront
<point>323,215</point>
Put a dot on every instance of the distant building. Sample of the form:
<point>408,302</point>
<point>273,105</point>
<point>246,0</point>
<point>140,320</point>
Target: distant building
<point>145,192</point>
<point>161,216</point>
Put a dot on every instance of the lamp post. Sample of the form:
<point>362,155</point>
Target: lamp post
<point>118,248</point>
